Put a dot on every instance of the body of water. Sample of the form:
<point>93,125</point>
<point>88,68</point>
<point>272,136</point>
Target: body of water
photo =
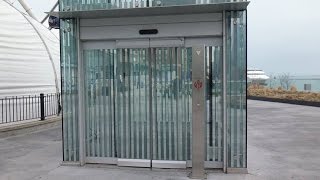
<point>299,82</point>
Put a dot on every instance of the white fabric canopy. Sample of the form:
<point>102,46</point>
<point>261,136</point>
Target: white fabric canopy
<point>29,55</point>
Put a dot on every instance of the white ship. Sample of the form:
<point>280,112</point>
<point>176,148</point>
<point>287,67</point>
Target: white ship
<point>256,76</point>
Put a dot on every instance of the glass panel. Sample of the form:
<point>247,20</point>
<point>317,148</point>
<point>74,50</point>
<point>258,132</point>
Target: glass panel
<point>214,100</point>
<point>69,76</point>
<point>172,103</point>
<point>118,122</point>
<point>132,103</point>
<point>117,103</point>
<point>99,89</point>
<point>236,88</point>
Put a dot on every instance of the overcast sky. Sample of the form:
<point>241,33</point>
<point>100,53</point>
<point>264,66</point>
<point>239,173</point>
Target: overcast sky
<point>283,35</point>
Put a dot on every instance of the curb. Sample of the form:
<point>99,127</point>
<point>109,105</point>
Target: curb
<point>28,126</point>
<point>287,101</point>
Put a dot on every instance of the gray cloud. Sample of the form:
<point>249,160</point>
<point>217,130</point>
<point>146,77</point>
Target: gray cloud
<point>283,36</point>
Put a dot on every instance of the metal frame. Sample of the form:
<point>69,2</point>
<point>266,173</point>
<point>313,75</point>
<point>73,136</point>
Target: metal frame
<point>82,150</point>
<point>134,162</point>
<point>225,147</point>
<point>101,160</point>
<point>144,163</point>
<point>169,164</point>
<point>198,130</point>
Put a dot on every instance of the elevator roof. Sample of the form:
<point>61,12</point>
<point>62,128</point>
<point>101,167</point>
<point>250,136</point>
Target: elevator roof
<point>153,11</point>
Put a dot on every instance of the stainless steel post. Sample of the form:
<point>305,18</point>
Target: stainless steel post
<point>81,99</point>
<point>198,112</point>
<point>225,135</point>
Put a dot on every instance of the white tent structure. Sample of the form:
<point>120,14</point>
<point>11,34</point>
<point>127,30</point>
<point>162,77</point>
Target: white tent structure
<point>29,55</point>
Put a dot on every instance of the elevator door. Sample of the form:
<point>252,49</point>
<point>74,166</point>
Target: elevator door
<point>139,104</point>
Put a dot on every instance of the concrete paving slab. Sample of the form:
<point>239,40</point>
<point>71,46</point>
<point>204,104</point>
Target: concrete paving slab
<point>283,143</point>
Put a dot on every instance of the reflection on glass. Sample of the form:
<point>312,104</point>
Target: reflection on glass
<point>117,119</point>
<point>69,76</point>
<point>236,88</point>
<point>214,101</point>
<point>118,101</point>
<point>172,103</point>
<point>138,103</point>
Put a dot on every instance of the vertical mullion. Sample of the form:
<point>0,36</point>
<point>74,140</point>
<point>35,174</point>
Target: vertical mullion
<point>112,103</point>
<point>219,110</point>
<point>183,105</point>
<point>117,110</point>
<point>174,106</point>
<point>65,118</point>
<point>212,60</point>
<point>87,100</point>
<point>93,104</point>
<point>178,104</point>
<point>120,103</point>
<point>154,127</point>
<point>96,110</point>
<point>207,106</point>
<point>63,91</point>
<point>90,102</point>
<point>144,102</point>
<point>134,153</point>
<point>189,105</point>
<point>132,102</point>
<point>244,133</point>
<point>159,115</point>
<point>69,107</point>
<point>163,118</point>
<point>127,102</point>
<point>98,124</point>
<point>149,104</point>
<point>166,91</point>
<point>238,62</point>
<point>230,94</point>
<point>184,133</point>
<point>157,118</point>
<point>107,104</point>
<point>215,58</point>
<point>124,104</point>
<point>74,102</point>
<point>170,114</point>
<point>138,120</point>
<point>104,107</point>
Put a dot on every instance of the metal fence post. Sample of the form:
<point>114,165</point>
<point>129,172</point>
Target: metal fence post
<point>42,117</point>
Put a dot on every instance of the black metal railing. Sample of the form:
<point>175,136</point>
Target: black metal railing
<point>20,108</point>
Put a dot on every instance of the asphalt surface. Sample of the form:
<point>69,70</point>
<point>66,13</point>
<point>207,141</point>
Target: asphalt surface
<point>283,143</point>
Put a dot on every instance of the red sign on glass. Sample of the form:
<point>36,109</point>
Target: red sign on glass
<point>198,84</point>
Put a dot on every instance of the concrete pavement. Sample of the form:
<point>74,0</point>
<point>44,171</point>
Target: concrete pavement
<point>283,143</point>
